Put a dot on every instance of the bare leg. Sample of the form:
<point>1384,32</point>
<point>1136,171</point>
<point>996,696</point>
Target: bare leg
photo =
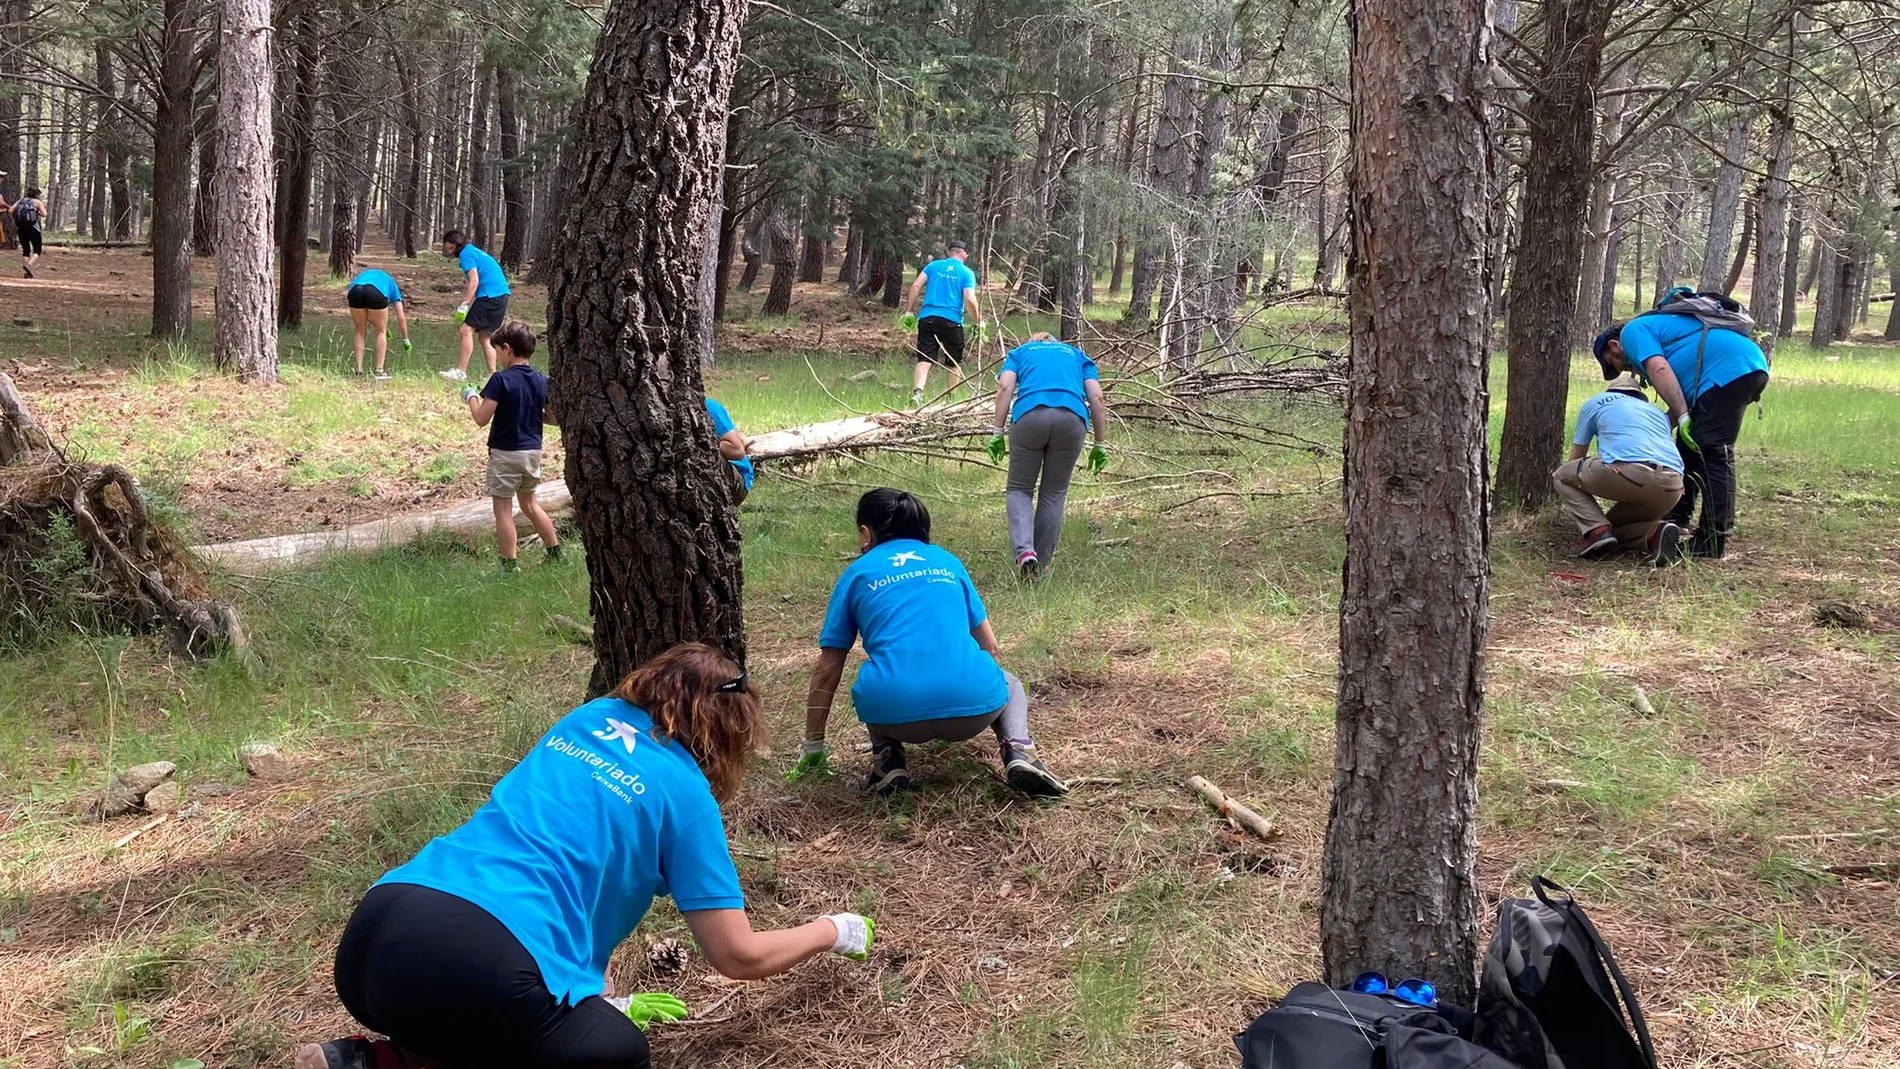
<point>379,320</point>
<point>955,371</point>
<point>505,526</point>
<point>488,352</point>
<point>538,516</point>
<point>920,377</point>
<point>468,348</point>
<point>359,320</point>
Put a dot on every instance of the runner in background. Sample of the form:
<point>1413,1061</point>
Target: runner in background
<point>947,288</point>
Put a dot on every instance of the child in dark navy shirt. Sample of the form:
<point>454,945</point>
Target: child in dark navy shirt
<point>513,406</point>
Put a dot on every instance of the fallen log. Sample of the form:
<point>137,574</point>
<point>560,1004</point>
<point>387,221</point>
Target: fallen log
<point>1233,810</point>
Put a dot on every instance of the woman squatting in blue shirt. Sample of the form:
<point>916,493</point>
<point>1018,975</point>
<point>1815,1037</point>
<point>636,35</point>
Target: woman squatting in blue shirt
<point>930,671</point>
<point>491,946</point>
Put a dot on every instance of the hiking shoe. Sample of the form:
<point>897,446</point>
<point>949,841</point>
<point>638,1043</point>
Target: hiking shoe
<point>1598,544</point>
<point>888,774</point>
<point>382,376</point>
<point>1709,547</point>
<point>1030,776</point>
<point>1665,544</point>
<point>1028,568</point>
<point>510,566</point>
<point>554,554</point>
<point>455,374</point>
<point>355,1052</point>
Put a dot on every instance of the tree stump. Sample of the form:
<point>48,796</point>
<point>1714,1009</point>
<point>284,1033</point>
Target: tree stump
<point>77,545</point>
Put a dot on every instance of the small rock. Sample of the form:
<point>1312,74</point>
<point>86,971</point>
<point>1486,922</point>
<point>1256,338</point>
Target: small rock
<point>141,778</point>
<point>212,790</point>
<point>263,761</point>
<point>164,798</point>
<point>191,810</point>
<point>992,964</point>
<point>127,790</point>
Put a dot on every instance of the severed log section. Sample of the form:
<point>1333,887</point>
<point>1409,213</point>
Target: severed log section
<point>475,518</point>
<point>78,548</point>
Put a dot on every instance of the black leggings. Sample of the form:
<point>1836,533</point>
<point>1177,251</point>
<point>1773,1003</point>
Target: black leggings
<point>444,980</point>
<point>1709,472</point>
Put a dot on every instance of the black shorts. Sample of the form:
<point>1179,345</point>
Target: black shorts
<point>368,297</point>
<point>442,978</point>
<point>29,240</point>
<point>940,341</point>
<point>486,313</point>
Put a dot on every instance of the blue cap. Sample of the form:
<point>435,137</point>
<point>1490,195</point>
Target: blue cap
<point>1601,348</point>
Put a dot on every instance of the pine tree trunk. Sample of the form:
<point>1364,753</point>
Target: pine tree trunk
<point>1847,275</point>
<point>480,195</point>
<point>1733,277</point>
<point>1613,251</point>
<point>408,200</point>
<point>782,240</point>
<point>1765,289</point>
<point>113,184</point>
<point>811,265</point>
<point>893,280</point>
<point>1790,269</point>
<point>246,304</point>
<point>624,333</point>
<point>1172,127</point>
<point>59,188</point>
<point>752,250</point>
<point>1892,333</point>
<point>1399,884</point>
<point>203,217</point>
<point>514,236</point>
<point>97,160</point>
<point>37,111</point>
<point>1561,122</point>
<point>299,156</point>
<point>853,254</point>
<point>171,173</point>
<point>1723,206</point>
<point>1826,289</point>
<point>13,25</point>
<point>350,162</point>
<point>1674,243</point>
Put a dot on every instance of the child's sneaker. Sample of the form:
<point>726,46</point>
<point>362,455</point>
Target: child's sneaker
<point>382,376</point>
<point>455,374</point>
<point>554,554</point>
<point>1030,776</point>
<point>510,566</point>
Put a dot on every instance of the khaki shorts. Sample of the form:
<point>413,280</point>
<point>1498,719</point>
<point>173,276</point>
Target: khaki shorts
<point>511,471</point>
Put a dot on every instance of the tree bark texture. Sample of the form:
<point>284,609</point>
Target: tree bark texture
<point>203,218</point>
<point>1732,277</point>
<point>13,25</point>
<point>1723,205</point>
<point>299,156</point>
<point>514,208</point>
<point>247,305</point>
<point>408,200</point>
<point>1613,251</point>
<point>1561,119</point>
<point>1790,270</point>
<point>1399,883</point>
<point>171,172</point>
<point>1826,287</point>
<point>349,142</point>
<point>480,196</point>
<point>781,235</point>
<point>1603,218</point>
<point>624,330</point>
<point>1671,247</point>
<point>1166,163</point>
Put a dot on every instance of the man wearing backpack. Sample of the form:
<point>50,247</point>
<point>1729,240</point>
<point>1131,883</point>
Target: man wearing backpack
<point>28,212</point>
<point>1695,350</point>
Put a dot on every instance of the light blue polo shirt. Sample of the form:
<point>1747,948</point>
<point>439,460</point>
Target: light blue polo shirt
<point>1628,429</point>
<point>381,280</point>
<point>489,281</point>
<point>1726,356</point>
<point>944,283</point>
<point>722,425</point>
<point>1050,374</point>
<point>915,606</point>
<point>573,845</point>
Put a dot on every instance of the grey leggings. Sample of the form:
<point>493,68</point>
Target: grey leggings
<point>1010,723</point>
<point>1043,445</point>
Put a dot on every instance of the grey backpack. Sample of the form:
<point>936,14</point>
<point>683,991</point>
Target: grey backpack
<point>1551,995</point>
<point>1715,311</point>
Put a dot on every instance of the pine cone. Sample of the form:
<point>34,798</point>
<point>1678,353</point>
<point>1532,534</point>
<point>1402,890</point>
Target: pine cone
<point>666,956</point>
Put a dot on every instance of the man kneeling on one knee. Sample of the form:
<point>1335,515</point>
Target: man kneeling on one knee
<point>1636,467</point>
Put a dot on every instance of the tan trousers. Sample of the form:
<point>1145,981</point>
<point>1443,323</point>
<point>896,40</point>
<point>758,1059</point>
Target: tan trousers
<point>1643,495</point>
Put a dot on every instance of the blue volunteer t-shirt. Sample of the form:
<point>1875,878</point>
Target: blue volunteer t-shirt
<point>520,394</point>
<point>722,425</point>
<point>915,606</point>
<point>575,843</point>
<point>1049,374</point>
<point>1628,430</point>
<point>944,283</point>
<point>381,280</point>
<point>1727,356</point>
<point>489,281</point>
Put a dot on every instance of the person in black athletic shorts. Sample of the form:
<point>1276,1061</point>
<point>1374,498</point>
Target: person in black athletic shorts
<point>371,295</point>
<point>946,289</point>
<point>28,213</point>
<point>484,301</point>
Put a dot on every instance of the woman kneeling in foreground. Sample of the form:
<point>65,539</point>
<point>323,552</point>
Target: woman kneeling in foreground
<point>930,672</point>
<point>491,946</point>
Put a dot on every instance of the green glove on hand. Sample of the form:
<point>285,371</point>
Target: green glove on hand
<point>983,332</point>
<point>653,1006</point>
<point>814,759</point>
<point>461,312</point>
<point>407,345</point>
<point>854,935</point>
<point>1098,458</point>
<point>470,393</point>
<point>998,445</point>
<point>908,321</point>
<point>1685,436</point>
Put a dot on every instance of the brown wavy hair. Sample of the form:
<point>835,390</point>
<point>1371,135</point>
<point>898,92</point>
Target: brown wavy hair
<point>679,689</point>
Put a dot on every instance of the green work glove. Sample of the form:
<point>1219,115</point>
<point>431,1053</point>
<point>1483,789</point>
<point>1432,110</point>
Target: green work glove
<point>407,345</point>
<point>470,393</point>
<point>654,1006</point>
<point>814,759</point>
<point>983,332</point>
<point>854,935</point>
<point>1098,458</point>
<point>908,321</point>
<point>998,445</point>
<point>461,312</point>
<point>1684,436</point>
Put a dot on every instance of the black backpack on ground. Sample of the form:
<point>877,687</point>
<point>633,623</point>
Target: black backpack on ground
<point>1317,1027</point>
<point>1549,994</point>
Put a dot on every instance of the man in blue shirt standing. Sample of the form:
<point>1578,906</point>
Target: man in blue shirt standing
<point>1708,376</point>
<point>484,301</point>
<point>1636,467</point>
<point>947,288</point>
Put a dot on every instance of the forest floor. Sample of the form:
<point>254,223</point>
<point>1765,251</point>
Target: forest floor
<point>1737,844</point>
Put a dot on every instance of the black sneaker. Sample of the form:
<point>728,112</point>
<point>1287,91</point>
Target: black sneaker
<point>28,268</point>
<point>888,774</point>
<point>1028,568</point>
<point>1665,545</point>
<point>510,566</point>
<point>1709,547</point>
<point>1030,776</point>
<point>554,554</point>
<point>1598,546</point>
<point>352,1053</point>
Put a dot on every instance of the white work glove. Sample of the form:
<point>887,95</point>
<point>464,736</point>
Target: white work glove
<point>854,935</point>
